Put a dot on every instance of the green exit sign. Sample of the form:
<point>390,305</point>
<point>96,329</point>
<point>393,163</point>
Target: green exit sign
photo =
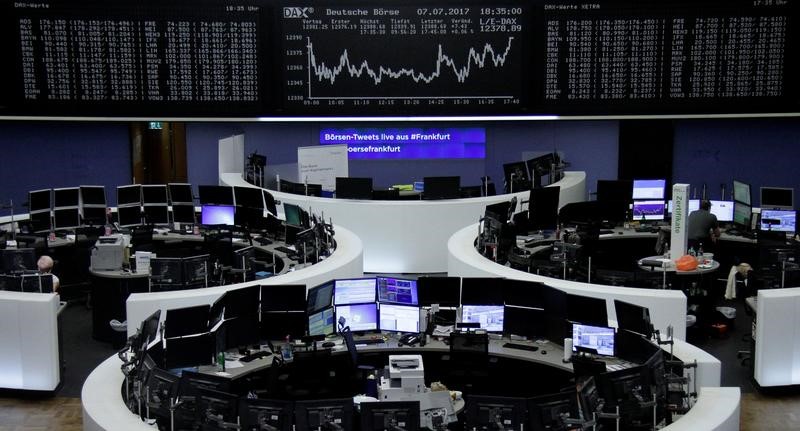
<point>156,125</point>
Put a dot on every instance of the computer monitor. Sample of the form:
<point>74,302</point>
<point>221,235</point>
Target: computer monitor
<point>498,212</point>
<point>186,321</point>
<point>587,310</point>
<point>615,191</point>
<point>129,216</point>
<point>321,323</point>
<point>93,216</point>
<point>156,214</point>
<point>445,291</point>
<point>184,352</point>
<point>292,214</point>
<point>353,188</point>
<point>555,307</point>
<point>312,189</point>
<point>180,193</point>
<point>441,188</point>
<point>318,415</point>
<point>195,269</point>
<point>290,187</point>
<point>723,210</point>
<point>183,213</point>
<point>741,192</point>
<point>777,198</point>
<point>217,410</point>
<point>242,301</point>
<point>217,215</point>
<point>250,218</point>
<point>779,220</point>
<point>390,416</point>
<point>523,293</point>
<point>516,177</point>
<point>632,317</point>
<point>495,413</point>
<point>283,297</point>
<point>215,195</point>
<point>166,270</point>
<point>249,197</point>
<point>36,283</point>
<point>319,297</point>
<point>742,214</point>
<point>648,210</point>
<point>40,221</point>
<point>66,218</point>
<point>154,194</point>
<point>649,189</point>
<point>523,322</point>
<point>129,195</point>
<point>399,318</point>
<point>265,414</point>
<point>694,205</point>
<point>482,290</point>
<point>67,197</point>
<point>599,339</point>
<point>269,203</point>
<point>543,208</point>
<point>39,200</point>
<point>490,317</point>
<point>397,290</point>
<point>162,388</point>
<point>278,325</point>
<point>354,291</point>
<point>359,317</point>
<point>547,412</point>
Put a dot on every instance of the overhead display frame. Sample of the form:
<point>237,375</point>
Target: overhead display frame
<point>261,59</point>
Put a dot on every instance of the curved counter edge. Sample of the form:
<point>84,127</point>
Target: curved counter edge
<point>345,262</point>
<point>101,399</point>
<point>667,307</point>
<point>409,236</point>
<point>716,409</point>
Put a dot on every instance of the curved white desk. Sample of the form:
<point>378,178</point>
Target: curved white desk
<point>410,236</point>
<point>345,262</point>
<point>667,307</point>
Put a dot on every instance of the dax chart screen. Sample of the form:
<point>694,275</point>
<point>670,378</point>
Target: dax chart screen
<point>416,58</point>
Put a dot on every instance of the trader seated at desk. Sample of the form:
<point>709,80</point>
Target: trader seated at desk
<point>45,266</point>
<point>703,227</point>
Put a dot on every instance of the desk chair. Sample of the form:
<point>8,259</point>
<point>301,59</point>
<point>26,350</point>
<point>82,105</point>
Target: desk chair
<point>469,354</point>
<point>359,371</point>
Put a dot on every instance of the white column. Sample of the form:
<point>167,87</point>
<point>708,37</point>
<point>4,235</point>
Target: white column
<point>680,221</point>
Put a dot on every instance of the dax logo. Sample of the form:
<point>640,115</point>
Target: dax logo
<point>297,12</point>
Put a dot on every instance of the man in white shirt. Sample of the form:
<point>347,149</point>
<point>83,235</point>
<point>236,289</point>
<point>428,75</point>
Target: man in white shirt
<point>45,265</point>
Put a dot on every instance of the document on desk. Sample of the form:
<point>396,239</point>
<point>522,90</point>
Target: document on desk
<point>442,331</point>
<point>233,364</point>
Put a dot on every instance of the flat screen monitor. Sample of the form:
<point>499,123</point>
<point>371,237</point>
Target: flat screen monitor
<point>93,216</point>
<point>185,352</point>
<point>249,197</point>
<point>445,291</point>
<point>241,302</point>
<point>354,291</point>
<point>694,205</point>
<point>524,322</point>
<point>599,339</point>
<point>777,198</point>
<point>293,215</point>
<point>778,220</point>
<point>547,412</point>
<point>741,192</point>
<point>397,290</point>
<point>290,187</point>
<point>278,325</point>
<point>166,270</point>
<point>723,210</point>
<point>390,416</point>
<point>482,290</point>
<point>498,212</point>
<point>67,197</point>
<point>180,193</point>
<point>359,317</point>
<point>195,269</point>
<point>353,188</point>
<point>334,414</point>
<point>250,218</point>
<point>587,310</point>
<point>649,189</point>
<point>269,203</point>
<point>441,188</point>
<point>215,195</point>
<point>129,195</point>
<point>321,323</point>
<point>615,191</point>
<point>156,214</point>
<point>399,318</point>
<point>541,165</point>
<point>486,412</point>
<point>40,221</point>
<point>490,317</point>
<point>742,214</point>
<point>523,293</point>
<point>648,210</point>
<point>265,414</point>
<point>129,216</point>
<point>217,214</point>
<point>183,214</point>
<point>543,208</point>
<point>186,321</point>
<point>516,173</point>
<point>16,260</point>
<point>283,297</point>
<point>66,218</point>
<point>154,194</point>
<point>319,297</point>
<point>37,283</point>
<point>39,200</point>
<point>633,317</point>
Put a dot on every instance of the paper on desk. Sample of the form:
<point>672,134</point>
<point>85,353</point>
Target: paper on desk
<point>440,330</point>
<point>233,364</point>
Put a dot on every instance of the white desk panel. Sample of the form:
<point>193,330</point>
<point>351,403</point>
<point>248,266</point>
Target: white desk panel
<point>777,337</point>
<point>410,236</point>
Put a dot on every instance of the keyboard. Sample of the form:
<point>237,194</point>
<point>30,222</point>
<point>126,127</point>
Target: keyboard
<point>618,364</point>
<point>365,341</point>
<point>253,356</point>
<point>263,241</point>
<point>521,347</point>
<point>285,250</point>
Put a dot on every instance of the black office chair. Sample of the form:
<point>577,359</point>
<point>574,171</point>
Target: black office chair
<point>359,371</point>
<point>469,354</point>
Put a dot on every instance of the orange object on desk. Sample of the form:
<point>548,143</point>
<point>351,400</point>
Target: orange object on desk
<point>686,263</point>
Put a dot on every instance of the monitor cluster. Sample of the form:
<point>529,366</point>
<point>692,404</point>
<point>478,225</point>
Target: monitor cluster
<point>67,208</point>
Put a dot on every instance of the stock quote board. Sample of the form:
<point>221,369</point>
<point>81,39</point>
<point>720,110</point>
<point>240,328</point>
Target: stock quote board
<point>274,58</point>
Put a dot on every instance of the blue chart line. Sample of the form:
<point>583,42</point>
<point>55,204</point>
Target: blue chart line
<point>444,62</point>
